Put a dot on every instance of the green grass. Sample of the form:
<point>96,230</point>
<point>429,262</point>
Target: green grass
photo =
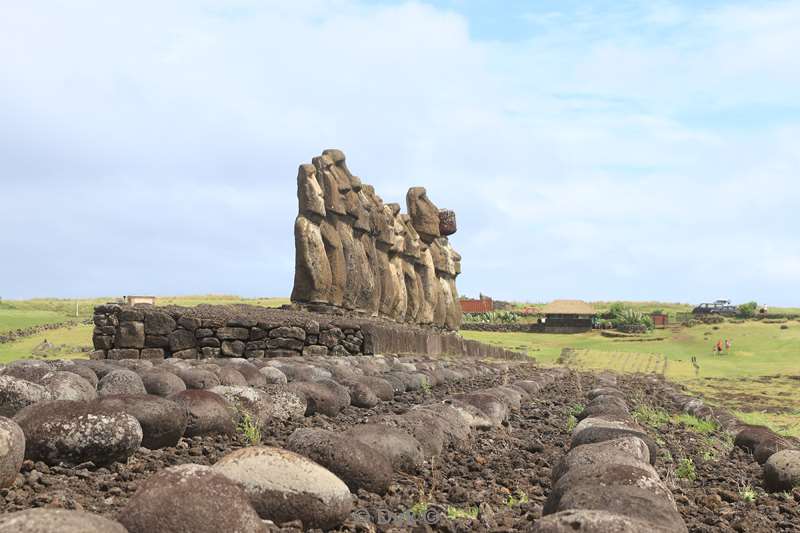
<point>16,314</point>
<point>698,425</point>
<point>468,513</point>
<point>755,379</point>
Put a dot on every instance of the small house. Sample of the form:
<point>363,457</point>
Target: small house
<point>660,320</point>
<point>140,300</point>
<point>483,305</point>
<point>568,316</point>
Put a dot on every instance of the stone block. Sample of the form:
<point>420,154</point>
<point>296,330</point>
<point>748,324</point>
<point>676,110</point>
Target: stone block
<point>202,333</point>
<point>230,334</point>
<point>189,323</point>
<point>105,330</point>
<point>256,334</point>
<point>209,352</point>
<point>241,322</point>
<point>181,339</point>
<point>232,348</point>
<point>97,355</point>
<point>293,332</point>
<point>156,341</point>
<point>103,342</point>
<point>130,335</point>
<point>158,323</point>
<point>130,314</point>
<point>315,351</point>
<point>152,353</point>
<point>281,353</point>
<point>330,337</point>
<point>254,354</point>
<point>190,353</point>
<point>123,353</point>
<point>256,345</point>
<point>209,342</point>
<point>285,343</point>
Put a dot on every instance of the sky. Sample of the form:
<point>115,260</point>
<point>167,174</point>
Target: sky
<point>601,150</point>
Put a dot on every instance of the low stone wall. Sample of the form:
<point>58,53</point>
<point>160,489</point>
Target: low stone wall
<point>125,332</point>
<point>522,328</point>
<point>11,336</point>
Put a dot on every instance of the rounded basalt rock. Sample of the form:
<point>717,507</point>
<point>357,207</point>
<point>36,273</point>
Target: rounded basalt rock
<point>400,447</point>
<point>100,368</point>
<point>398,386</point>
<point>247,401</point>
<point>251,373</point>
<point>454,425</point>
<point>68,386</point>
<point>604,391</point>
<point>510,397</point>
<point>163,421</point>
<point>162,383</point>
<point>493,408</point>
<point>767,447</point>
<point>475,418</point>
<point>231,377</point>
<point>593,430</point>
<point>32,371</point>
<point>209,413</point>
<point>273,376</point>
<point>361,395</point>
<point>285,404</point>
<point>601,408</point>
<point>137,365</point>
<point>16,393</point>
<point>75,432</point>
<point>592,521</point>
<point>12,451</point>
<point>198,379</point>
<point>321,397</point>
<point>190,498</point>
<point>61,520</point>
<point>631,501</point>
<point>782,471</point>
<point>379,386</point>
<point>302,372</point>
<point>607,477</point>
<point>121,381</point>
<point>628,450</point>
<point>284,486</point>
<point>358,465</point>
<point>531,387</point>
<point>749,437</point>
<point>83,371</point>
<point>425,427</point>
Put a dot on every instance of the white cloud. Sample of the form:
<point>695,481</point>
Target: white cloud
<point>594,159</point>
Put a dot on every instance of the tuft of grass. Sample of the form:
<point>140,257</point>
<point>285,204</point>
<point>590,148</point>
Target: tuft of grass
<point>650,416</point>
<point>454,513</point>
<point>748,493</point>
<point>698,425</point>
<point>571,423</point>
<point>518,498</point>
<point>686,469</point>
<point>576,409</point>
<point>419,509</point>
<point>249,429</point>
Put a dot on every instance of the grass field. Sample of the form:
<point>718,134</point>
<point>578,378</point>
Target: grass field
<point>760,378</point>
<point>16,314</point>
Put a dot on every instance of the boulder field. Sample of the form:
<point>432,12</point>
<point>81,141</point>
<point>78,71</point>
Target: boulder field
<point>367,442</point>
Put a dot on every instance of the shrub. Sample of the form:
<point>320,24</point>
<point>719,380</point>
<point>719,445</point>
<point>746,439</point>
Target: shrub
<point>650,416</point>
<point>249,429</point>
<point>749,309</point>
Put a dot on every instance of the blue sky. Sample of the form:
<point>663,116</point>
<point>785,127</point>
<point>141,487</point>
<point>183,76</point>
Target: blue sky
<point>595,150</point>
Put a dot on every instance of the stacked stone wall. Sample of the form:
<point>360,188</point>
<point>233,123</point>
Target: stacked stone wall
<point>125,332</point>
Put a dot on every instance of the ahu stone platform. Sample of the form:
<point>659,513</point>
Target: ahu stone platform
<point>210,331</point>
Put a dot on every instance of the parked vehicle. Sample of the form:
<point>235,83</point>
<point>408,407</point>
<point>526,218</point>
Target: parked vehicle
<point>718,307</point>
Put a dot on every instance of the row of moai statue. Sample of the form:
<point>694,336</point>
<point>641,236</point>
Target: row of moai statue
<point>356,253</point>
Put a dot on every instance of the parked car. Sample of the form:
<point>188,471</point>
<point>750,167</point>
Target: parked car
<point>718,307</point>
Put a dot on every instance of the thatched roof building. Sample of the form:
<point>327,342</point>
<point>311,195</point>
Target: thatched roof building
<point>568,316</point>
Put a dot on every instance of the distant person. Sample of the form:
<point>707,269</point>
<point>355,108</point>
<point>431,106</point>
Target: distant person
<point>719,346</point>
<point>727,345</point>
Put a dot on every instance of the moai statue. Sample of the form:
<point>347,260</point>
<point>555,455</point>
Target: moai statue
<point>424,215</point>
<point>411,256</point>
<point>368,241</point>
<point>312,271</point>
<point>383,229</point>
<point>398,311</point>
<point>426,273</point>
<point>334,248</point>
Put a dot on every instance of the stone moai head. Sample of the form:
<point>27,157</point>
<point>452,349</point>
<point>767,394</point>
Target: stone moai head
<point>334,200</point>
<point>397,228</point>
<point>412,240</point>
<point>364,214</point>
<point>379,217</point>
<point>424,214</point>
<point>309,194</point>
